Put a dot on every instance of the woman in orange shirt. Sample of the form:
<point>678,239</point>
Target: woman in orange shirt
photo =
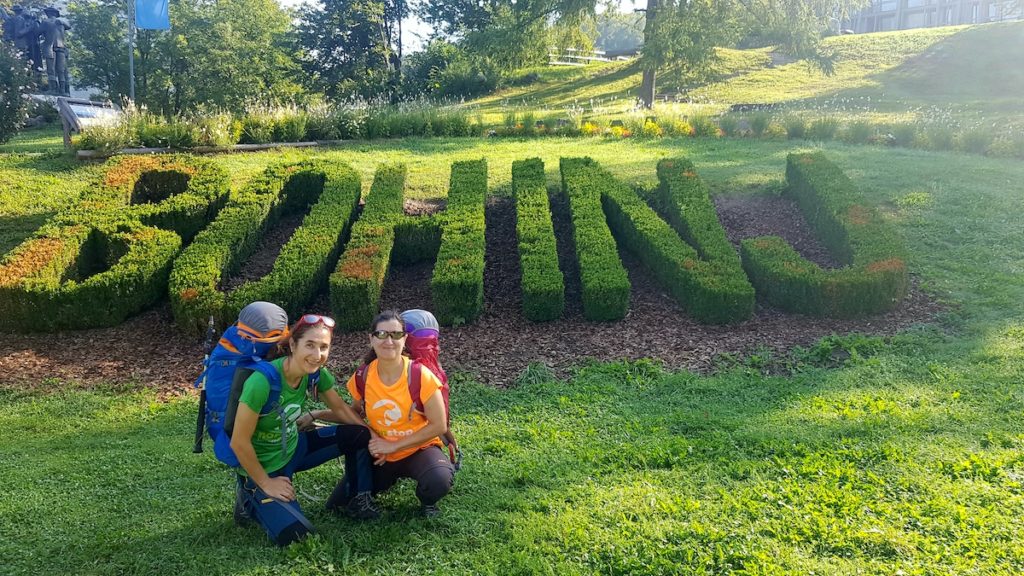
<point>404,441</point>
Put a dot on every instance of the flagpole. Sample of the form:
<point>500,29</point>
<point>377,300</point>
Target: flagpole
<point>131,50</point>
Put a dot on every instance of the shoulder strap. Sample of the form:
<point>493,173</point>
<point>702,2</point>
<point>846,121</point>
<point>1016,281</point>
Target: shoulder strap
<point>269,371</point>
<point>415,386</point>
<point>361,381</point>
<point>313,385</point>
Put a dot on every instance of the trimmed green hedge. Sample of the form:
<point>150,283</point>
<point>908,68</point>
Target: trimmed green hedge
<point>875,277</point>
<point>543,286</point>
<point>356,283</point>
<point>302,266</point>
<point>84,276</point>
<point>605,284</point>
<point>109,256</point>
<point>220,250</point>
<point>457,285</point>
<point>720,292</point>
<point>417,239</point>
<point>172,192</point>
<point>708,289</point>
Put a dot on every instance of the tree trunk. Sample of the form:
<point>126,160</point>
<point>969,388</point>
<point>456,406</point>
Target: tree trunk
<point>650,68</point>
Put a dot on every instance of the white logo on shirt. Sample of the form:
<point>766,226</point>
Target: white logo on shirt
<point>392,413</point>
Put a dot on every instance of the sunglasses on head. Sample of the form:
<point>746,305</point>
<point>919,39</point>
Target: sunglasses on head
<point>383,334</point>
<point>313,319</point>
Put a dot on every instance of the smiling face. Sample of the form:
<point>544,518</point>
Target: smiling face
<point>309,353</point>
<point>388,348</point>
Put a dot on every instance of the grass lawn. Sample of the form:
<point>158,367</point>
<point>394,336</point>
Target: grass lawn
<point>906,458</point>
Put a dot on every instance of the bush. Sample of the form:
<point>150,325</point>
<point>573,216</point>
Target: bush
<point>543,285</point>
<point>759,123</point>
<point>976,140</point>
<point>216,129</point>
<point>257,128</point>
<point>14,80</point>
<point>605,285</point>
<point>457,285</point>
<point>172,192</point>
<point>940,137</point>
<point>859,132</point>
<point>823,128</point>
<point>796,127</point>
<point>417,239</point>
<point>704,125</point>
<point>728,123</point>
<point>84,275</point>
<point>220,249</point>
<point>301,268</point>
<point>904,135</point>
<point>875,277</point>
<point>356,282</point>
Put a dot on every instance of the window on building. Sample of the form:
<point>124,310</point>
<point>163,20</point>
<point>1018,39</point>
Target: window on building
<point>886,23</point>
<point>887,5</point>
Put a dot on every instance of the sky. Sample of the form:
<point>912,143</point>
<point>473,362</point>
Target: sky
<point>415,32</point>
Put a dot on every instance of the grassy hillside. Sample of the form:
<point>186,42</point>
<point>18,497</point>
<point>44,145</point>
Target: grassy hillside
<point>973,71</point>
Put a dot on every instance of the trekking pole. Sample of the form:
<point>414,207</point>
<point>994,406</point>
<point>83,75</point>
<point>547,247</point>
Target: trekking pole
<point>208,344</point>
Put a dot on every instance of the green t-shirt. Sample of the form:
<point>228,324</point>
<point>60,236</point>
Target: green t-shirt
<point>266,439</point>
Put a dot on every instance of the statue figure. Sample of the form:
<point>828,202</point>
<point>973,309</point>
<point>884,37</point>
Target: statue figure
<point>28,41</point>
<point>55,51</point>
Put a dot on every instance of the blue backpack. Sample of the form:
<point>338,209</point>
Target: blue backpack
<point>225,371</point>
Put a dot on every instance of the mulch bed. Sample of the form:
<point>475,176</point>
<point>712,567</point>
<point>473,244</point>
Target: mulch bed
<point>148,351</point>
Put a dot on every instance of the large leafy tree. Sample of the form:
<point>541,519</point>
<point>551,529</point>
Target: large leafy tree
<point>223,54</point>
<point>351,46</point>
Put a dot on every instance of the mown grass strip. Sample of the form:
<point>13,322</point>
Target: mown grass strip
<point>543,286</point>
<point>457,285</point>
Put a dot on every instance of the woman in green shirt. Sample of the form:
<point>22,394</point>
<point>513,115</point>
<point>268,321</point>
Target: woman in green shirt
<point>271,451</point>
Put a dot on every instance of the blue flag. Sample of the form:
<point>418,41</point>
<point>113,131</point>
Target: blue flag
<point>152,15</point>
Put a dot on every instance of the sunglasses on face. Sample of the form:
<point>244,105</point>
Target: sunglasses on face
<point>313,319</point>
<point>383,334</point>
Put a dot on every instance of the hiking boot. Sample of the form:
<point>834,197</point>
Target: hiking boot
<point>362,507</point>
<point>431,510</point>
<point>242,516</point>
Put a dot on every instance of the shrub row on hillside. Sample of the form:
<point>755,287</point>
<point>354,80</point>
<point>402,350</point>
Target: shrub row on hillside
<point>356,283</point>
<point>220,250</point>
<point>875,277</point>
<point>108,257</point>
<point>543,286</point>
<point>708,289</point>
<point>605,284</point>
<point>457,285</point>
